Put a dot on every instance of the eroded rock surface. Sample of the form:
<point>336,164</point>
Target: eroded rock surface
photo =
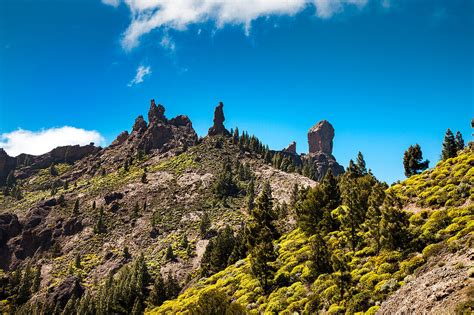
<point>218,126</point>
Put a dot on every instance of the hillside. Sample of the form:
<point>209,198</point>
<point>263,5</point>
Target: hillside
<point>80,214</point>
<point>405,277</point>
<point>162,221</point>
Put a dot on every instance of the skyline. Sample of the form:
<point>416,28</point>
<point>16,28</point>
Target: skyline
<point>279,69</point>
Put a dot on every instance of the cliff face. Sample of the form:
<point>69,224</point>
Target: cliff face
<point>319,157</point>
<point>160,134</point>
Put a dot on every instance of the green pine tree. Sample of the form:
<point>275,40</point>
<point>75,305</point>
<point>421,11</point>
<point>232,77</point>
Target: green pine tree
<point>459,141</point>
<point>449,146</point>
<point>413,161</point>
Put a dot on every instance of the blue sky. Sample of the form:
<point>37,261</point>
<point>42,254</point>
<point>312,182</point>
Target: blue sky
<point>386,74</point>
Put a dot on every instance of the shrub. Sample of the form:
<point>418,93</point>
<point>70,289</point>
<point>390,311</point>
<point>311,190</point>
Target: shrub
<point>432,249</point>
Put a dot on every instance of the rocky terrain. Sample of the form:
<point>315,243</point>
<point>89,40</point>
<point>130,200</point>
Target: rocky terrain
<point>80,220</point>
<point>161,167</point>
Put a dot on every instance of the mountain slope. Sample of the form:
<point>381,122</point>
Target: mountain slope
<point>148,192</point>
<point>407,277</point>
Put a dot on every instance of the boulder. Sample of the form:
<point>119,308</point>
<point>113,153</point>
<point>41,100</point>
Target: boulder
<point>110,197</point>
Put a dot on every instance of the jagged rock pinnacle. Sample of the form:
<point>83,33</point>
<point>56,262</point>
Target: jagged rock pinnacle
<point>156,114</point>
<point>218,127</point>
<point>140,124</point>
<point>291,148</point>
<point>320,137</point>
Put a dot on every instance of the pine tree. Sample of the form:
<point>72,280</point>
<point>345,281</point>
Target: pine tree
<point>360,164</point>
<point>137,307</point>
<point>459,141</point>
<point>77,261</point>
<point>158,291</point>
<point>394,223</point>
<point>75,210</point>
<point>205,225</point>
<point>136,211</point>
<point>352,170</point>
<point>52,170</point>
<point>144,180</point>
<point>36,280</point>
<point>225,186</point>
<point>235,137</point>
<point>352,212</point>
<point>93,205</point>
<point>11,180</point>
<point>172,287</point>
<point>260,234</point>
<point>319,254</point>
<point>294,196</point>
<point>70,307</point>
<point>332,194</point>
<point>413,161</point>
<point>374,216</point>
<point>100,225</point>
<point>126,253</point>
<point>184,241</point>
<point>449,146</point>
<point>126,165</point>
<point>250,196</point>
<point>169,253</point>
<point>310,211</point>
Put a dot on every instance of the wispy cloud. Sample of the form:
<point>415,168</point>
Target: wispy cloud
<point>114,3</point>
<point>147,15</point>
<point>142,72</point>
<point>39,142</point>
<point>168,43</point>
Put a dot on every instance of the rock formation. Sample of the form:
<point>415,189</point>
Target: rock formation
<point>218,126</point>
<point>159,134</point>
<point>291,148</point>
<point>320,137</point>
<point>7,164</point>
<point>139,125</point>
<point>320,142</point>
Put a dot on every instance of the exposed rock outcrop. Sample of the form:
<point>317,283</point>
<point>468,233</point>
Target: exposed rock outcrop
<point>121,138</point>
<point>218,126</point>
<point>139,125</point>
<point>291,148</point>
<point>162,134</point>
<point>70,287</point>
<point>7,164</point>
<point>320,143</point>
<point>320,137</point>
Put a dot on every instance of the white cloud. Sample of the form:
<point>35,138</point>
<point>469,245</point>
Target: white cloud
<point>142,72</point>
<point>113,3</point>
<point>147,15</point>
<point>168,43</point>
<point>39,142</point>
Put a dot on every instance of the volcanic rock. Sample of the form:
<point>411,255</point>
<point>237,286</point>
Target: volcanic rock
<point>156,114</point>
<point>320,137</point>
<point>291,148</point>
<point>140,124</point>
<point>70,287</point>
<point>121,138</point>
<point>7,164</point>
<point>218,127</point>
